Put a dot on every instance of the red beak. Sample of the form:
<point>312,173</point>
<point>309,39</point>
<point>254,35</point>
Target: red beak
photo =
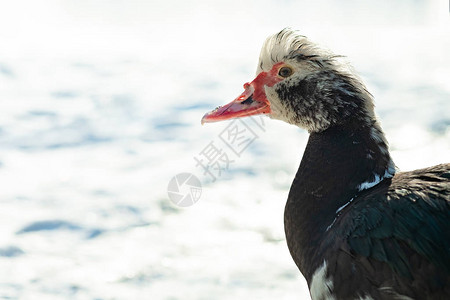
<point>252,101</point>
<point>243,106</point>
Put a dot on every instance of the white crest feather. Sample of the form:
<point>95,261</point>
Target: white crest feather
<point>286,44</point>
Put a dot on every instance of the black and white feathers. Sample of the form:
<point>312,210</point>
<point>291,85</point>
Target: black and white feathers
<point>355,228</point>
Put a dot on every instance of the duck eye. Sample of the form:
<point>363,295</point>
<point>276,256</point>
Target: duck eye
<point>285,72</point>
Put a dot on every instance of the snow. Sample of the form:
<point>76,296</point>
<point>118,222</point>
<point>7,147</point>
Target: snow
<point>101,105</point>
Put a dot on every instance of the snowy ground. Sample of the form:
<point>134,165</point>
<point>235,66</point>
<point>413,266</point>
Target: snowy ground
<point>100,106</point>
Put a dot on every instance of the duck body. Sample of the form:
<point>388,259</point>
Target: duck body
<point>355,226</point>
<point>388,241</point>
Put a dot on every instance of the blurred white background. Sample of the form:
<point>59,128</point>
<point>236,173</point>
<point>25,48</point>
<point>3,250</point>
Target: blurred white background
<point>100,106</point>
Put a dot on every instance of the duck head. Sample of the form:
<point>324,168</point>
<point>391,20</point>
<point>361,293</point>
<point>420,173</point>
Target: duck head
<point>301,84</point>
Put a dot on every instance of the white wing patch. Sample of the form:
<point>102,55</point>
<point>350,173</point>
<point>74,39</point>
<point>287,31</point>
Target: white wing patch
<point>338,211</point>
<point>377,179</point>
<point>321,286</point>
<point>367,297</point>
<point>391,293</point>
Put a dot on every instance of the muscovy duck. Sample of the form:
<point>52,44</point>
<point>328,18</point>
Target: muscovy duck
<point>355,227</point>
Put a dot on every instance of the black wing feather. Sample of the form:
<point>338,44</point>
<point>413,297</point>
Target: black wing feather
<point>405,223</point>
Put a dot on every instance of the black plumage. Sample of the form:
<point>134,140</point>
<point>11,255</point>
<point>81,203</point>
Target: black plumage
<point>391,239</point>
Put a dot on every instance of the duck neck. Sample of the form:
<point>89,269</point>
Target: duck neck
<point>337,164</point>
